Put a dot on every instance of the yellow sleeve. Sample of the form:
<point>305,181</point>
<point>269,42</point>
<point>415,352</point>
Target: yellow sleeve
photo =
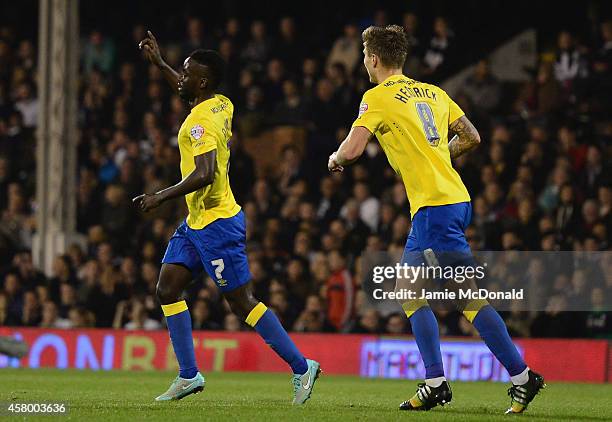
<point>370,112</point>
<point>454,111</point>
<point>202,136</point>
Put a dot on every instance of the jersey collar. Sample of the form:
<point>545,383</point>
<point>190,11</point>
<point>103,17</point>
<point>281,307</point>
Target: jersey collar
<point>214,97</point>
<point>401,75</point>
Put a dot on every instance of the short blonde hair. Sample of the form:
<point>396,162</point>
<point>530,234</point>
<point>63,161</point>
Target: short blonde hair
<point>389,43</point>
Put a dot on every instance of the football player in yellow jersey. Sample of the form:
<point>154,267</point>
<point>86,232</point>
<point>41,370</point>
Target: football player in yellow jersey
<point>412,122</point>
<point>213,236</point>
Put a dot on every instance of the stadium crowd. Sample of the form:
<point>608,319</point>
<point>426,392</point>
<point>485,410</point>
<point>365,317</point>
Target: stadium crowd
<point>539,181</point>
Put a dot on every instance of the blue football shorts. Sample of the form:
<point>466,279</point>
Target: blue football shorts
<point>439,230</point>
<point>219,248</point>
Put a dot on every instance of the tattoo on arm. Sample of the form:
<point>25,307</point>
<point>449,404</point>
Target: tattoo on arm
<point>468,137</point>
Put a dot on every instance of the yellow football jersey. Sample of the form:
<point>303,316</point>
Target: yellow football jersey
<point>410,120</point>
<point>208,127</point>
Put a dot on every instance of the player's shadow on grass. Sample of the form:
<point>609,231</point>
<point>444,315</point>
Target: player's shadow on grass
<point>529,415</point>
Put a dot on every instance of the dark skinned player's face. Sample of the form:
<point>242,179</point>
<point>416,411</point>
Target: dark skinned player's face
<point>191,81</point>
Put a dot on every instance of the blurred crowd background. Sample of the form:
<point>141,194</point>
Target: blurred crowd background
<point>540,180</point>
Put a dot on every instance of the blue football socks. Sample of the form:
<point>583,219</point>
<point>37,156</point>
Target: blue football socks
<point>178,320</point>
<point>427,335</point>
<point>270,329</point>
<point>495,335</point>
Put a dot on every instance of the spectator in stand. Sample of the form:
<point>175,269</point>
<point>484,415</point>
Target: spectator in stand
<point>346,50</point>
<point>549,198</point>
<point>115,219</point>
<point>292,110</point>
<point>329,204</point>
<point>344,94</point>
<point>326,113</point>
<point>26,56</point>
<point>79,317</point>
<point>482,89</point>
<point>51,318</point>
<point>570,147</point>
<point>232,323</point>
<point>62,273</point>
<point>410,22</point>
<point>15,222</point>
<point>4,319</point>
<point>31,312</point>
<point>367,323</point>
<point>598,320</point>
<point>196,37</point>
<point>233,30</point>
<point>340,291</point>
<point>288,45</point>
<point>98,53</point>
<point>602,66</point>
<point>30,276</point>
<point>105,296</point>
<point>595,173</point>
<point>570,64</point>
<point>604,196</point>
<point>257,49</point>
<point>273,86</point>
<point>413,66</point>
<point>555,321</point>
<point>527,223</point>
<point>567,213</point>
<point>27,104</point>
<point>439,52</point>
<point>138,319</point>
<point>67,300</point>
<point>201,317</point>
<point>518,321</point>
<point>590,216</point>
<point>14,295</point>
<point>310,75</point>
<point>396,324</point>
<point>369,206</point>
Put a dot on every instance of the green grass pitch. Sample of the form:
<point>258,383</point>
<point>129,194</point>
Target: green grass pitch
<point>119,395</point>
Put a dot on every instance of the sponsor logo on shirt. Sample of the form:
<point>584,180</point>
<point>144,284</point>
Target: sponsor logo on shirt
<point>197,132</point>
<point>362,109</point>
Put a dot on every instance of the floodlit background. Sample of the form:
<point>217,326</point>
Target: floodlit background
<point>86,124</point>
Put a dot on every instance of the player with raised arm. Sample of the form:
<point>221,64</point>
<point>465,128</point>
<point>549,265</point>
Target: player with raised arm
<point>412,121</point>
<point>213,236</point>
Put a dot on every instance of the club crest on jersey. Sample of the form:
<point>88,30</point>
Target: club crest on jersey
<point>362,109</point>
<point>197,132</point>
